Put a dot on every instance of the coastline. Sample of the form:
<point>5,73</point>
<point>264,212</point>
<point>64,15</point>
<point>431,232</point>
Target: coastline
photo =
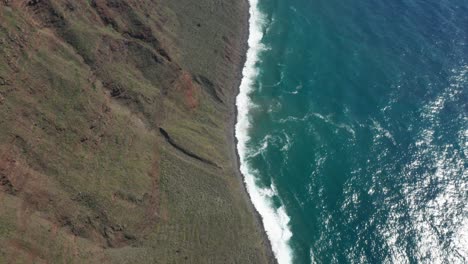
<point>233,112</point>
<point>167,72</point>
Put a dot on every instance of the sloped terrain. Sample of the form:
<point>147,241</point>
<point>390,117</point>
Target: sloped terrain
<point>115,136</point>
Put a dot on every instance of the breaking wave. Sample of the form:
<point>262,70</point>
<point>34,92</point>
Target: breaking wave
<point>275,220</point>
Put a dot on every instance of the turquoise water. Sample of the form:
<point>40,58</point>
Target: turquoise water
<point>353,129</point>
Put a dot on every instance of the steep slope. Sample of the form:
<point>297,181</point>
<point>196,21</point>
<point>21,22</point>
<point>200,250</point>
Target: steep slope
<point>114,134</point>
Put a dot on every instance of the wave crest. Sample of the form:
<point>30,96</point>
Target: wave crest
<point>275,220</point>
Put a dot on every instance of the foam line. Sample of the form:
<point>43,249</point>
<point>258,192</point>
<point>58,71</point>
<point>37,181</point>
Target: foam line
<point>275,220</point>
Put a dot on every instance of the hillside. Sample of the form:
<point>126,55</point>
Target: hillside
<point>116,133</point>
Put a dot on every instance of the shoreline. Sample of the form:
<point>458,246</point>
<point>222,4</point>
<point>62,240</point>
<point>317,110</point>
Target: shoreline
<point>232,139</point>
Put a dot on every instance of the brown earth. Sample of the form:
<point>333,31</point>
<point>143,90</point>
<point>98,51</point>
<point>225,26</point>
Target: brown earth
<point>116,133</point>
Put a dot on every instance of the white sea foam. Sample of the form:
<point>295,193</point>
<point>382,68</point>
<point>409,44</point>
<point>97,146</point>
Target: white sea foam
<point>287,142</point>
<point>328,120</point>
<point>382,132</point>
<point>275,220</point>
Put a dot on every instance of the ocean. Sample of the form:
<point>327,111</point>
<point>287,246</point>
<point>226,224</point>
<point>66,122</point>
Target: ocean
<point>352,129</point>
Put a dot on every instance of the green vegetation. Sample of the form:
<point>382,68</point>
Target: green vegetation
<point>85,174</point>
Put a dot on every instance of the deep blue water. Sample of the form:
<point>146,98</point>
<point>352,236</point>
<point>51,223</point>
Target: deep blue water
<point>359,129</point>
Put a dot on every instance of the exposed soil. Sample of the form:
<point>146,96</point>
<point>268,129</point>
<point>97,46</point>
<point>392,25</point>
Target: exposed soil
<point>88,171</point>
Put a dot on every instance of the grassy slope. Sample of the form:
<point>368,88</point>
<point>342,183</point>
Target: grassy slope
<point>85,173</point>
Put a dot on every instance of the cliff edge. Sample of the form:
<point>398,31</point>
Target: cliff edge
<point>116,133</point>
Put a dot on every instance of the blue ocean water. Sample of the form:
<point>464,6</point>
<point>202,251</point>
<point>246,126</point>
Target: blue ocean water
<point>353,129</point>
